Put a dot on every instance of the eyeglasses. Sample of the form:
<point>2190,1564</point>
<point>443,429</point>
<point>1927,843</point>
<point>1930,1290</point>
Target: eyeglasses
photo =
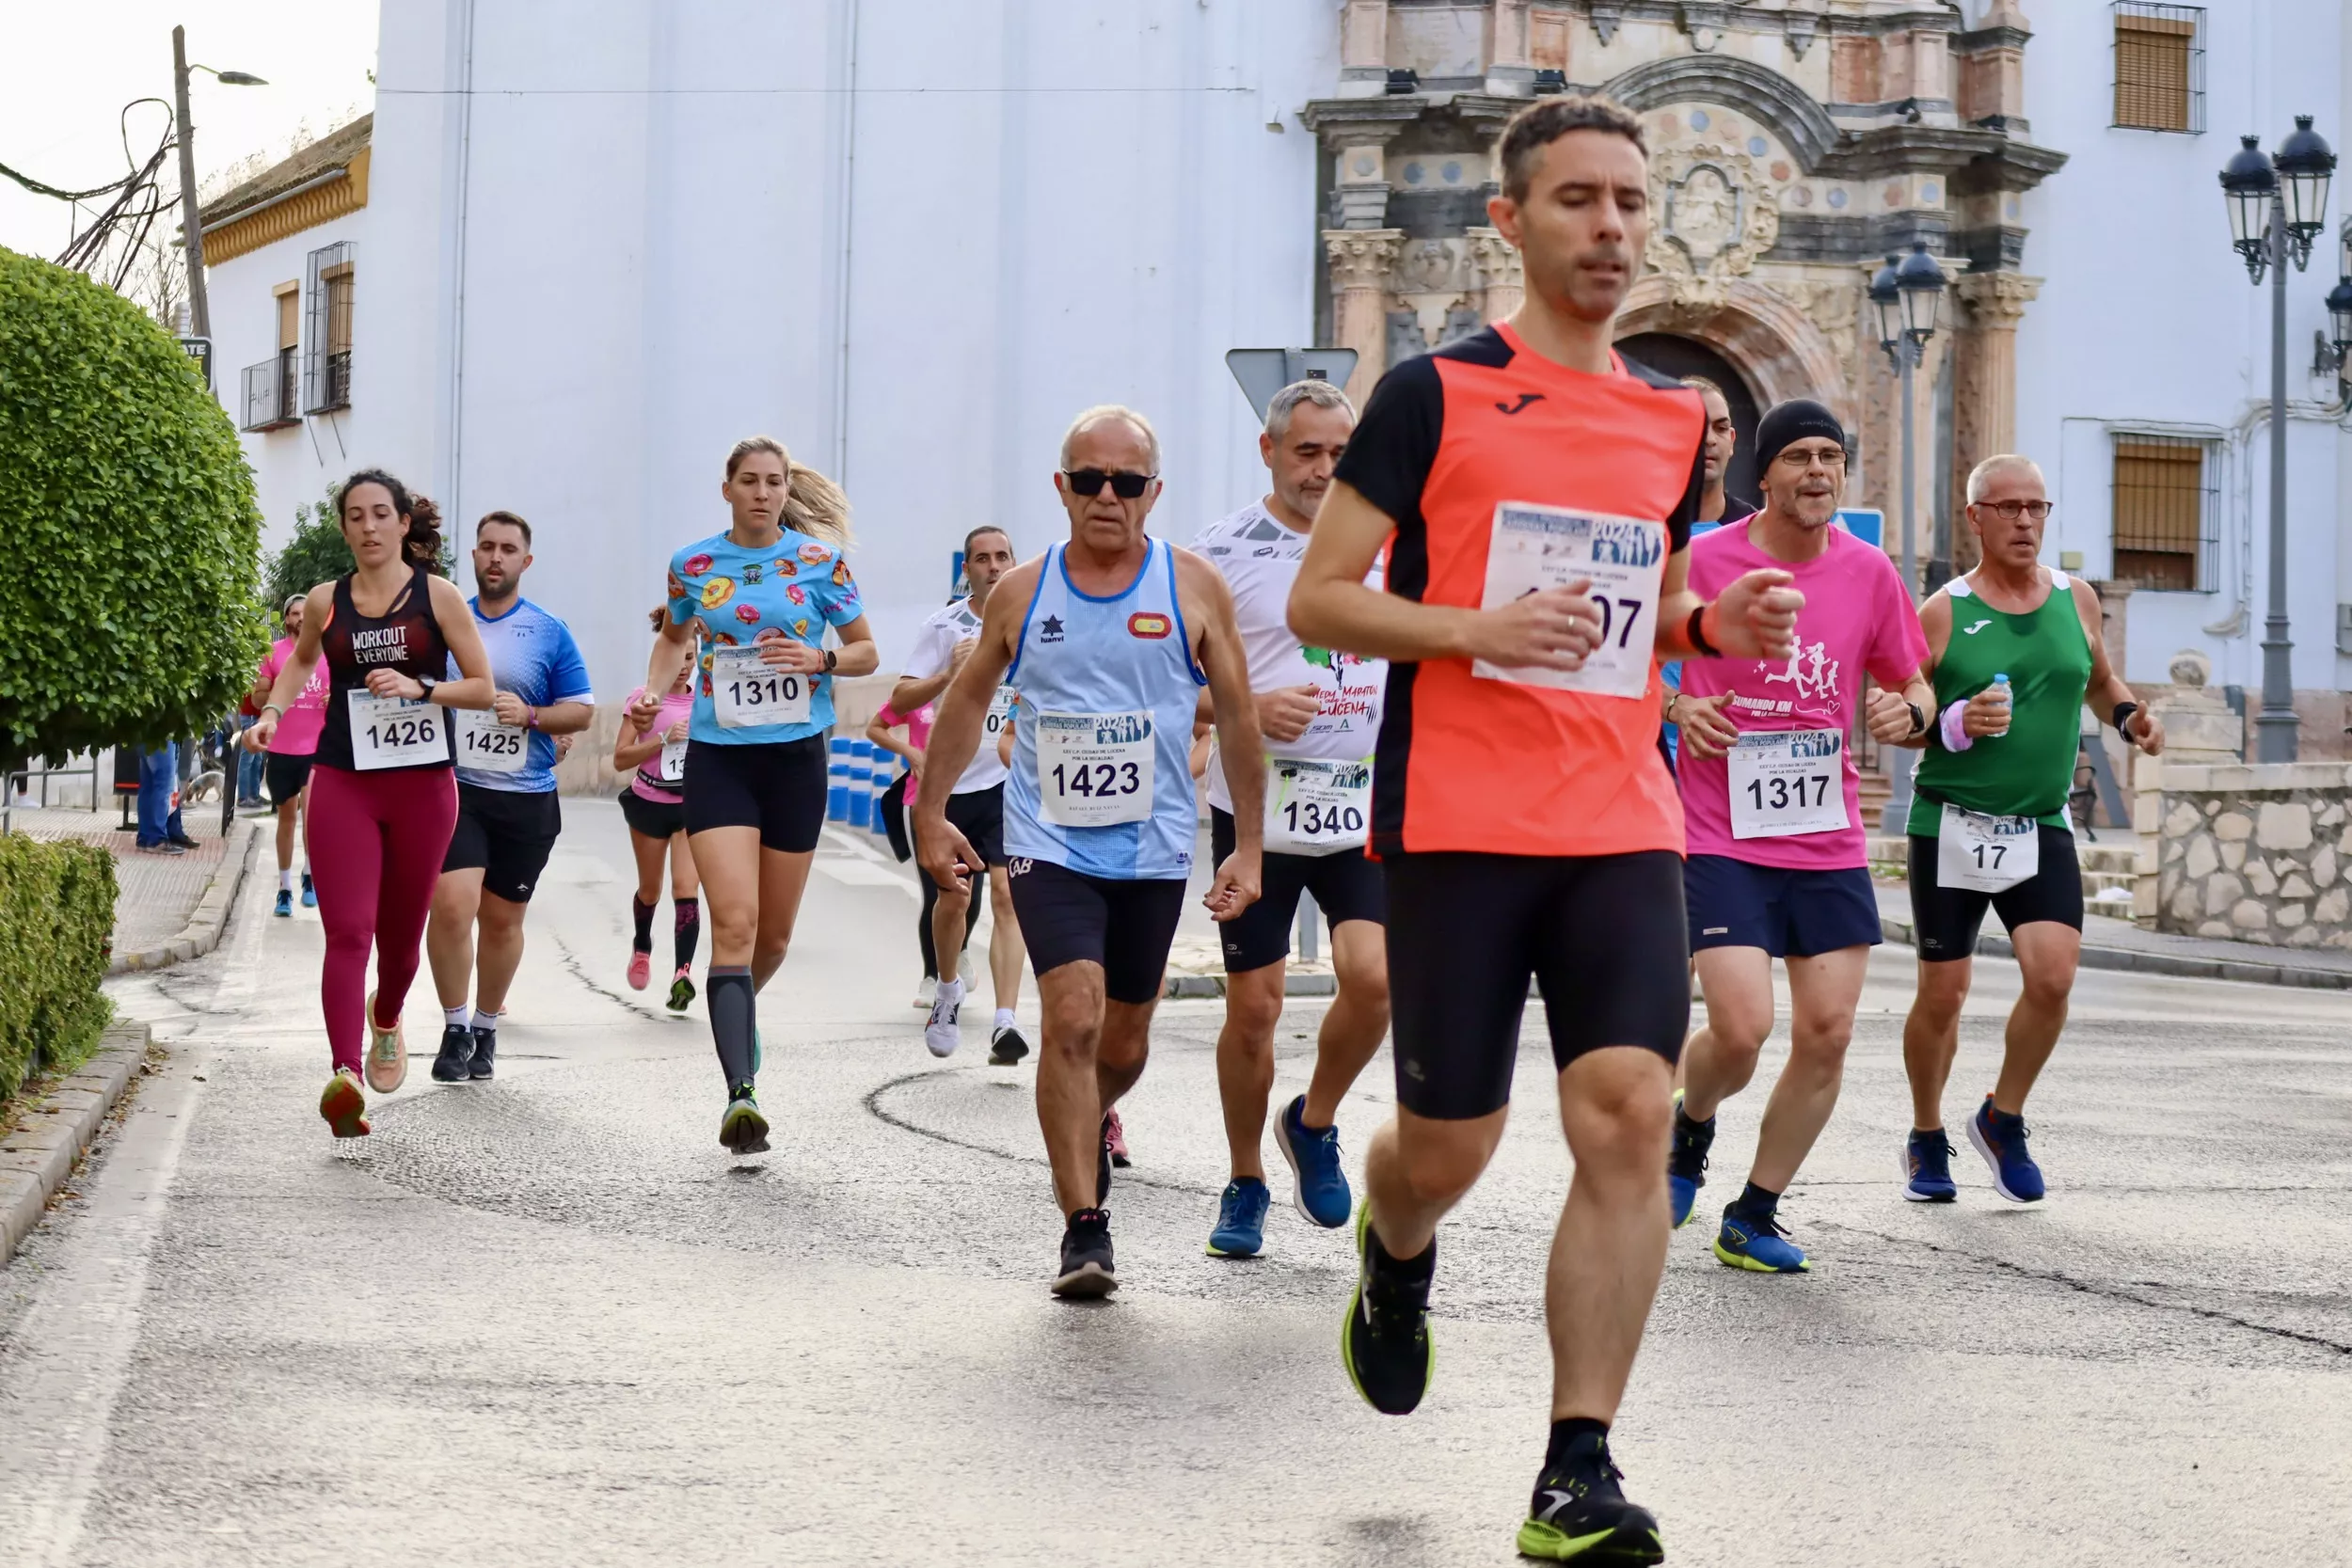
<point>1797,462</point>
<point>1089,482</point>
<point>2007,511</point>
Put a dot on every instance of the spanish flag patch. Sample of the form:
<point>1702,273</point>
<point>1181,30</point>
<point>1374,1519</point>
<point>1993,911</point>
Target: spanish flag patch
<point>1144,623</point>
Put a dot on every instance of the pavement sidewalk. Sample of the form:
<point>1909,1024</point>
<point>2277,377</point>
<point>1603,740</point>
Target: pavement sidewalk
<point>2112,943</point>
<point>167,908</point>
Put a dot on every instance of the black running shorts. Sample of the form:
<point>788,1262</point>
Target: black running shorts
<point>979,815</point>
<point>1126,926</point>
<point>505,833</point>
<point>660,819</point>
<point>1346,885</point>
<point>1945,921</point>
<point>777,786</point>
<point>285,774</point>
<point>1602,936</point>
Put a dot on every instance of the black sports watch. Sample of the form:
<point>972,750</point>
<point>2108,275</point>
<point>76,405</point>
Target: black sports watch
<point>831,659</point>
<point>428,683</point>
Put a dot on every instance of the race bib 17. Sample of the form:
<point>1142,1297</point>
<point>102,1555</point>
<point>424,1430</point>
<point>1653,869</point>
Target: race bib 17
<point>1624,558</point>
<point>1986,854</point>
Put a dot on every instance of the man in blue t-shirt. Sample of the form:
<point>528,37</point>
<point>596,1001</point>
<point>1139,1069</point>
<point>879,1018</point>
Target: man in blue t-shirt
<point>507,815</point>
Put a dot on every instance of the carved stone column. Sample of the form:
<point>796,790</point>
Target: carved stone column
<point>1498,263</point>
<point>1362,260</point>
<point>1984,384</point>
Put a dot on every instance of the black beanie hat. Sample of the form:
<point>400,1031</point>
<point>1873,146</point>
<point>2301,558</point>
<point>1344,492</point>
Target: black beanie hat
<point>1789,422</point>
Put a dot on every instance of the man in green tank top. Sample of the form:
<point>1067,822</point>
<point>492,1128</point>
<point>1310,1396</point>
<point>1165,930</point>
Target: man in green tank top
<point>2014,650</point>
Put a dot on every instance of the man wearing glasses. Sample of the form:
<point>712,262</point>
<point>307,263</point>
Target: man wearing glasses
<point>1107,639</point>
<point>1778,866</point>
<point>2016,651</point>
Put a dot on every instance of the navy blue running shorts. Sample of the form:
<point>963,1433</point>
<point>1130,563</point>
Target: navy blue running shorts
<point>1788,913</point>
<point>1126,926</point>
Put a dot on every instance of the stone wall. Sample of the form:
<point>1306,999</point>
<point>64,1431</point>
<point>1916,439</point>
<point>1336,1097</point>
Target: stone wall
<point>2257,853</point>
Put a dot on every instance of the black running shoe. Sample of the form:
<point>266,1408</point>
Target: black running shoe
<point>1580,1515</point>
<point>1103,1167</point>
<point>456,1051</point>
<point>1085,1256</point>
<point>1385,1340</point>
<point>1006,1047</point>
<point>486,1050</point>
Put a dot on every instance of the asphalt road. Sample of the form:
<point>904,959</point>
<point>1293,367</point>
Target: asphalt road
<point>548,1320</point>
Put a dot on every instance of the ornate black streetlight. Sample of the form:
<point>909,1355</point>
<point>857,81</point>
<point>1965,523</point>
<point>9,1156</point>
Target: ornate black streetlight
<point>1906,294</point>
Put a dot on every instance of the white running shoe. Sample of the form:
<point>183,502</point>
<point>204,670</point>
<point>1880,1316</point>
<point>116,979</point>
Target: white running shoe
<point>925,989</point>
<point>940,1033</point>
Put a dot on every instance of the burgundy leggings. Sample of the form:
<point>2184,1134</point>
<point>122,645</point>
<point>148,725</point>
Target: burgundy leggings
<point>376,844</point>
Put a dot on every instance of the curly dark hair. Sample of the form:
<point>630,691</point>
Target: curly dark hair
<point>421,541</point>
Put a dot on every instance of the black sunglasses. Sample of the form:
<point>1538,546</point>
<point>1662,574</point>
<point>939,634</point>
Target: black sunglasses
<point>1089,482</point>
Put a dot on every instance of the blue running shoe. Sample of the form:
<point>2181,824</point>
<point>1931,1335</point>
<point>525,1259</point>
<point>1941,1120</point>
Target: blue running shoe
<point>309,893</point>
<point>2001,1139</point>
<point>1928,1169</point>
<point>1686,1163</point>
<point>1240,1219</point>
<point>1319,1186</point>
<point>1746,1242</point>
<point>285,905</point>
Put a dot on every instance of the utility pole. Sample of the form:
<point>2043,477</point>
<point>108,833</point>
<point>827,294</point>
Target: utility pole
<point>192,247</point>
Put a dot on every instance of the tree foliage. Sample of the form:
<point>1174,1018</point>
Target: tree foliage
<point>316,553</point>
<point>128,604</point>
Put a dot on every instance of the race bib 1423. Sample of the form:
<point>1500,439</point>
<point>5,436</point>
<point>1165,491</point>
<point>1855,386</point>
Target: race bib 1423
<point>1095,769</point>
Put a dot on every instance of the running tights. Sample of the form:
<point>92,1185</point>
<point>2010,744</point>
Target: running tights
<point>923,921</point>
<point>376,844</point>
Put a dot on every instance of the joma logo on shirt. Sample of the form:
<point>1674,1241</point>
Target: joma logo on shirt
<point>1971,631</point>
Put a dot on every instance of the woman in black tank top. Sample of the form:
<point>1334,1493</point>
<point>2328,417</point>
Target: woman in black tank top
<point>383,796</point>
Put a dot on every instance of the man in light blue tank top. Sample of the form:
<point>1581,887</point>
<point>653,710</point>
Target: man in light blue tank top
<point>1107,639</point>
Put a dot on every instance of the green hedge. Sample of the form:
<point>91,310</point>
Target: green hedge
<point>57,928</point>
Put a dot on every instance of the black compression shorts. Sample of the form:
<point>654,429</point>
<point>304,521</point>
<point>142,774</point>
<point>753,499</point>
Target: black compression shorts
<point>777,786</point>
<point>654,819</point>
<point>1345,886</point>
<point>1602,936</point>
<point>1126,926</point>
<point>508,835</point>
<point>979,814</point>
<point>1945,921</point>
<point>285,774</point>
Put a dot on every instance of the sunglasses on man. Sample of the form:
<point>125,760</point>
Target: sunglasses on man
<point>1089,482</point>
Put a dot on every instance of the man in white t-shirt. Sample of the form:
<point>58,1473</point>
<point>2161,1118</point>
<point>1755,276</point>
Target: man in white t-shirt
<point>1319,711</point>
<point>976,805</point>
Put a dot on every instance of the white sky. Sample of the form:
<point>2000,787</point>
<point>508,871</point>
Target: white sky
<point>66,70</point>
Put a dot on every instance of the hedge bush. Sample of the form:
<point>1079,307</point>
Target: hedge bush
<point>56,931</point>
<point>129,610</point>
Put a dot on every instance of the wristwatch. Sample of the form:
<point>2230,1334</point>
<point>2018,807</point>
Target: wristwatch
<point>428,683</point>
<point>831,659</point>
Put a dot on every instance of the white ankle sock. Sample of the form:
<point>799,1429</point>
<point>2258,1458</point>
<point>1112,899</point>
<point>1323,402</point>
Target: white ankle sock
<point>285,881</point>
<point>951,991</point>
<point>1004,1018</point>
<point>485,1021</point>
<point>456,1015</point>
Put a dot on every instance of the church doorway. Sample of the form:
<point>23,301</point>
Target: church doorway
<point>1677,356</point>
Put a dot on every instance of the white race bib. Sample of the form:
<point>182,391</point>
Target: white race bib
<point>1986,854</point>
<point>999,715</point>
<point>1095,769</point>
<point>671,769</point>
<point>747,692</point>
<point>394,732</point>
<point>1787,782</point>
<point>1536,546</point>
<point>1316,808</point>
<point>485,743</point>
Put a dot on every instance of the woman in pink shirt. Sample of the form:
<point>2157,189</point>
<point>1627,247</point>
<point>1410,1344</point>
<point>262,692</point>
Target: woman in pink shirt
<point>654,804</point>
<point>286,766</point>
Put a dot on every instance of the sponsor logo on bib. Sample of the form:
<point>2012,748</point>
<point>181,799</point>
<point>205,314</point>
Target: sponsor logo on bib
<point>1146,625</point>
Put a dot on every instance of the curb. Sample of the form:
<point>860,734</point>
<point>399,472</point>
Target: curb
<point>202,932</point>
<point>1198,986</point>
<point>2134,961</point>
<point>36,1158</point>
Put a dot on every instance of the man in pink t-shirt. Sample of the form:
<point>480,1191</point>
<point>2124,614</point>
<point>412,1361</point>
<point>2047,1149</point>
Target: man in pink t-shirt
<point>286,768</point>
<point>1777,864</point>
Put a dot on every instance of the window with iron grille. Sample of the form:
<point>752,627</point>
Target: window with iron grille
<point>326,347</point>
<point>2159,67</point>
<point>2165,511</point>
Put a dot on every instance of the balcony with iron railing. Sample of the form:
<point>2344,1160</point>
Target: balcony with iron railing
<point>269,393</point>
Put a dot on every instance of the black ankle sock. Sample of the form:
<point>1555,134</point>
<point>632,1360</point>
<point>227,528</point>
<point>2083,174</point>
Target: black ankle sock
<point>733,1018</point>
<point>642,912</point>
<point>1406,1270</point>
<point>1758,1203</point>
<point>689,927</point>
<point>1564,1432</point>
<point>1684,1118</point>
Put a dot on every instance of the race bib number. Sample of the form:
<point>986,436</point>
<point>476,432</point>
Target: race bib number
<point>671,767</point>
<point>999,715</point>
<point>394,732</point>
<point>746,692</point>
<point>1095,769</point>
<point>485,743</point>
<point>1535,548</point>
<point>1316,808</point>
<point>1986,854</point>
<point>1785,783</point>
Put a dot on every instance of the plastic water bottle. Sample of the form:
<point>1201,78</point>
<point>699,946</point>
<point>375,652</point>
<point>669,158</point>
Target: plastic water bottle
<point>837,780</point>
<point>2000,682</point>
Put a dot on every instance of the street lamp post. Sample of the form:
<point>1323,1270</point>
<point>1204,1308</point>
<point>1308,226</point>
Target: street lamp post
<point>1906,294</point>
<point>199,308</point>
<point>2277,205</point>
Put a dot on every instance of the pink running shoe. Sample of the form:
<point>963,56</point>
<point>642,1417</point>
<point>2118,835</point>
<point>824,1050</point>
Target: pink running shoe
<point>640,970</point>
<point>388,1053</point>
<point>342,1104</point>
<point>1117,1139</point>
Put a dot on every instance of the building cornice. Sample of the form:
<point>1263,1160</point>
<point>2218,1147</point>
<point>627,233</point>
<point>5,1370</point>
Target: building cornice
<point>329,195</point>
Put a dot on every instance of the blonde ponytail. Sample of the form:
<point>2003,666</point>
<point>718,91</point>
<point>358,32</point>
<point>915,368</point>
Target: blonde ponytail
<point>813,504</point>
